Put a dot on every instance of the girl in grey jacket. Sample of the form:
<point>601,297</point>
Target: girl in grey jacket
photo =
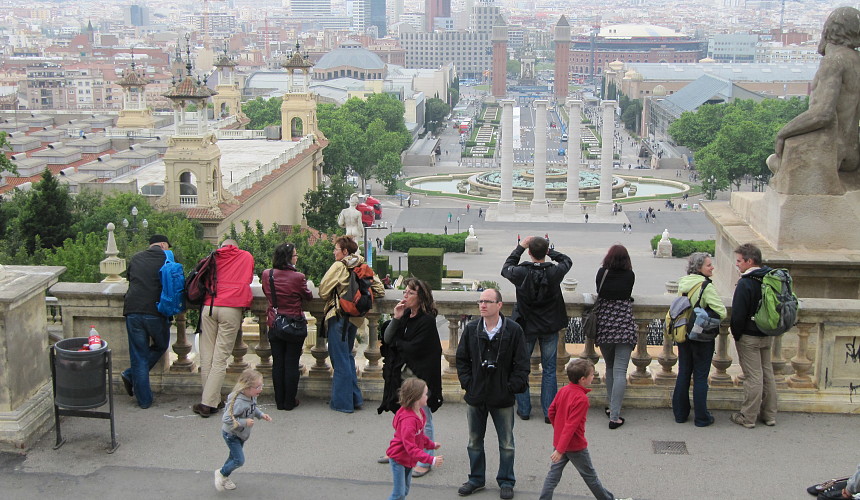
<point>237,422</point>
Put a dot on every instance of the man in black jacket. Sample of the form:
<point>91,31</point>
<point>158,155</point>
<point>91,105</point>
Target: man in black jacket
<point>493,366</point>
<point>540,311</point>
<point>148,330</point>
<point>753,346</point>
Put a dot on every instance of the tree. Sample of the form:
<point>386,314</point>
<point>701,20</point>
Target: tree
<point>697,129</point>
<point>514,67</point>
<point>632,115</point>
<point>263,113</point>
<point>435,114</point>
<point>315,254</point>
<point>388,170</point>
<point>322,206</point>
<point>44,220</point>
<point>5,163</point>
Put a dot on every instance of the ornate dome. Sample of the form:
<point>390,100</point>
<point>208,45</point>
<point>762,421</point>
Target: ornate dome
<point>616,65</point>
<point>659,90</point>
<point>350,54</point>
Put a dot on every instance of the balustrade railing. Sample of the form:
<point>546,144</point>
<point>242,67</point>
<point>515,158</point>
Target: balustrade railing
<point>811,371</point>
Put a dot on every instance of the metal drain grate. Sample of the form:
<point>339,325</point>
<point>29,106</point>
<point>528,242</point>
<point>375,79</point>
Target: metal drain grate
<point>670,447</point>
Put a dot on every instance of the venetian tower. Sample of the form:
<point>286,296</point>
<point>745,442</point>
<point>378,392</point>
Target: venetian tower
<point>500,58</point>
<point>227,100</point>
<point>299,109</point>
<point>193,160</point>
<point>135,113</point>
<point>562,59</point>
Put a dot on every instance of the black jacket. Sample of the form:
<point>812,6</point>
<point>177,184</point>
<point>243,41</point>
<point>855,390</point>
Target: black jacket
<point>745,303</point>
<point>144,282</point>
<point>540,306</point>
<point>494,387</point>
<point>416,345</point>
<point>618,284</point>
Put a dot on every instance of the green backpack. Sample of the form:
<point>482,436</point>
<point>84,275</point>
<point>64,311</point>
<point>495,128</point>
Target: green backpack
<point>777,309</point>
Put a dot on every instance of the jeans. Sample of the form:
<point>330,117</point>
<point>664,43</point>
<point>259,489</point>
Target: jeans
<point>582,461</point>
<point>345,394</point>
<point>237,453</point>
<point>760,398</point>
<point>402,477</point>
<point>285,372</point>
<point>148,339</point>
<point>428,431</point>
<point>548,383</point>
<point>617,359</point>
<point>503,420</point>
<point>694,359</point>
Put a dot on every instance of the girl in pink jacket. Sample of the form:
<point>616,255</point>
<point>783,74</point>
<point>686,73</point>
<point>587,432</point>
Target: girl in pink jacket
<point>407,447</point>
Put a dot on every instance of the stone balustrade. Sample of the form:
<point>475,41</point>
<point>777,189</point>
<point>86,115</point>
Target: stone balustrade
<point>814,363</point>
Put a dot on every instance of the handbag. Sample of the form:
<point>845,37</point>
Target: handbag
<point>290,329</point>
<point>589,320</point>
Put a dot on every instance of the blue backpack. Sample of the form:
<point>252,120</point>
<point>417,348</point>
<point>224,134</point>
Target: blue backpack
<point>172,300</point>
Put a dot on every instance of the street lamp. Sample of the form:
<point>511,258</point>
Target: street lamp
<point>134,228</point>
<point>712,187</point>
<point>458,224</point>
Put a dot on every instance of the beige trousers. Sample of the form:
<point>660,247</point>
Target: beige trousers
<point>217,338</point>
<point>760,399</point>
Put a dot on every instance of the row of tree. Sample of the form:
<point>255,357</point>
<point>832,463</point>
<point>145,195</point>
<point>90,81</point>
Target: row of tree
<point>732,141</point>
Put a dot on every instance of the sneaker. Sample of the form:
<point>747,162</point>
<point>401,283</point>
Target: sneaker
<point>468,488</point>
<point>506,492</point>
<point>737,418</point>
<point>837,483</point>
<point>129,387</point>
<point>219,480</point>
<point>229,484</point>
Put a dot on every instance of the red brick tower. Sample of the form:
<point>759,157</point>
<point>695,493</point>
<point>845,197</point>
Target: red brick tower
<point>562,59</point>
<point>500,57</point>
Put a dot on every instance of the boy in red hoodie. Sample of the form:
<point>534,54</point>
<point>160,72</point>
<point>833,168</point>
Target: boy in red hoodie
<point>407,447</point>
<point>567,413</point>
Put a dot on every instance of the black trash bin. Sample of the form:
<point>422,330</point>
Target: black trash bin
<point>81,381</point>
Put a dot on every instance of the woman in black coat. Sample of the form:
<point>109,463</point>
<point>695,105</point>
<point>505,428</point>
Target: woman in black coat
<point>411,348</point>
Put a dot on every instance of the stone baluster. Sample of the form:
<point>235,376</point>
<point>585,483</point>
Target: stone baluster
<point>801,363</point>
<point>563,357</point>
<point>372,352</point>
<point>778,362</point>
<point>588,352</point>
<point>240,349</point>
<point>319,351</point>
<point>640,357</point>
<point>667,359</point>
<point>721,360</point>
<point>182,348</point>
<point>263,348</point>
<point>449,373</point>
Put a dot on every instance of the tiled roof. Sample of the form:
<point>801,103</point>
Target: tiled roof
<point>189,88</point>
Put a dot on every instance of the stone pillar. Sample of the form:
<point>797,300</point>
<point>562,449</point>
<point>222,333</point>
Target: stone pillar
<point>506,200</point>
<point>604,205</point>
<point>538,206</point>
<point>572,207</point>
<point>26,399</point>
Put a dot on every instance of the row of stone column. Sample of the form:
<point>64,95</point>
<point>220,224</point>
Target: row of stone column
<point>538,207</point>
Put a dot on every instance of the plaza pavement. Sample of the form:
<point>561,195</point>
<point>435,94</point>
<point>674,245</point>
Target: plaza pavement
<point>312,452</point>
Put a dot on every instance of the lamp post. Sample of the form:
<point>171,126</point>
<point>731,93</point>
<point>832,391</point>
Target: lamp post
<point>133,226</point>
<point>458,224</point>
<point>712,187</point>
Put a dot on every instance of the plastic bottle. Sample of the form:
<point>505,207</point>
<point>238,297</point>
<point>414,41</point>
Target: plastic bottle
<point>95,340</point>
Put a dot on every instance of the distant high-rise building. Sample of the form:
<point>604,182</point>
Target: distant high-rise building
<point>377,17</point>
<point>434,9</point>
<point>733,47</point>
<point>136,15</point>
<point>310,7</point>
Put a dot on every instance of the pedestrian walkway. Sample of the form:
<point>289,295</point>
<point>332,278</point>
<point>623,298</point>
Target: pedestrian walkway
<point>168,452</point>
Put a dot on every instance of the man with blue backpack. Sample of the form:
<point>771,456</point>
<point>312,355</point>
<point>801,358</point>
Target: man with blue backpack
<point>148,329</point>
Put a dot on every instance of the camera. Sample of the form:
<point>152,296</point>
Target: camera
<point>488,365</point>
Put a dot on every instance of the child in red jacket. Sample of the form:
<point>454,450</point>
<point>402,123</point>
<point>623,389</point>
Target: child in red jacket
<point>567,413</point>
<point>407,447</point>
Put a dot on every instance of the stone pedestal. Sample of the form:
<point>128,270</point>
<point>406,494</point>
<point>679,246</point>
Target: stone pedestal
<point>26,400</point>
<point>472,247</point>
<point>664,249</point>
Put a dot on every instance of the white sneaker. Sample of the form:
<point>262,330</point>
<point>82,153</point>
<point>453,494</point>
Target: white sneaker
<point>229,484</point>
<point>219,480</point>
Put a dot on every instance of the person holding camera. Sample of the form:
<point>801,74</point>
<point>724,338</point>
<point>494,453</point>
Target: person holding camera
<point>493,366</point>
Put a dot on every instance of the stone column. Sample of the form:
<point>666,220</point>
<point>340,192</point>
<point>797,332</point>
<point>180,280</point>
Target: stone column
<point>641,359</point>
<point>506,200</point>
<point>604,205</point>
<point>572,207</point>
<point>538,206</point>
<point>449,373</point>
<point>26,401</point>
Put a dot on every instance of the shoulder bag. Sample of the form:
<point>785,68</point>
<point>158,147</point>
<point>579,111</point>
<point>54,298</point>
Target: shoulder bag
<point>290,329</point>
<point>589,320</point>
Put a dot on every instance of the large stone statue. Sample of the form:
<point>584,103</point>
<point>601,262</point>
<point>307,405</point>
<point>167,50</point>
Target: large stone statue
<point>819,143</point>
<point>350,219</point>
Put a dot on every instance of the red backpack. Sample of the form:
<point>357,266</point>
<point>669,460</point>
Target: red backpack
<point>357,300</point>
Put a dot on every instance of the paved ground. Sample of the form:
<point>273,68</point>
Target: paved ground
<point>312,452</point>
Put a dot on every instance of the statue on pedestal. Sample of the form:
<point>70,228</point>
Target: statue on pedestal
<point>350,219</point>
<point>819,143</point>
<point>664,246</point>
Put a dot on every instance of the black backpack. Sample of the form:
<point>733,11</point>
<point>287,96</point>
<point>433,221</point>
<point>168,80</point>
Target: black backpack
<point>202,281</point>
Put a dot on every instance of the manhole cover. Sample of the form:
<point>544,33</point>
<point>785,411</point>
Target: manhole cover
<point>669,447</point>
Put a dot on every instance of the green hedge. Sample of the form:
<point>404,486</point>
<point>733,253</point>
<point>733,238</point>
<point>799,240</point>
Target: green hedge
<point>426,264</point>
<point>402,242</point>
<point>683,248</point>
<point>380,265</point>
